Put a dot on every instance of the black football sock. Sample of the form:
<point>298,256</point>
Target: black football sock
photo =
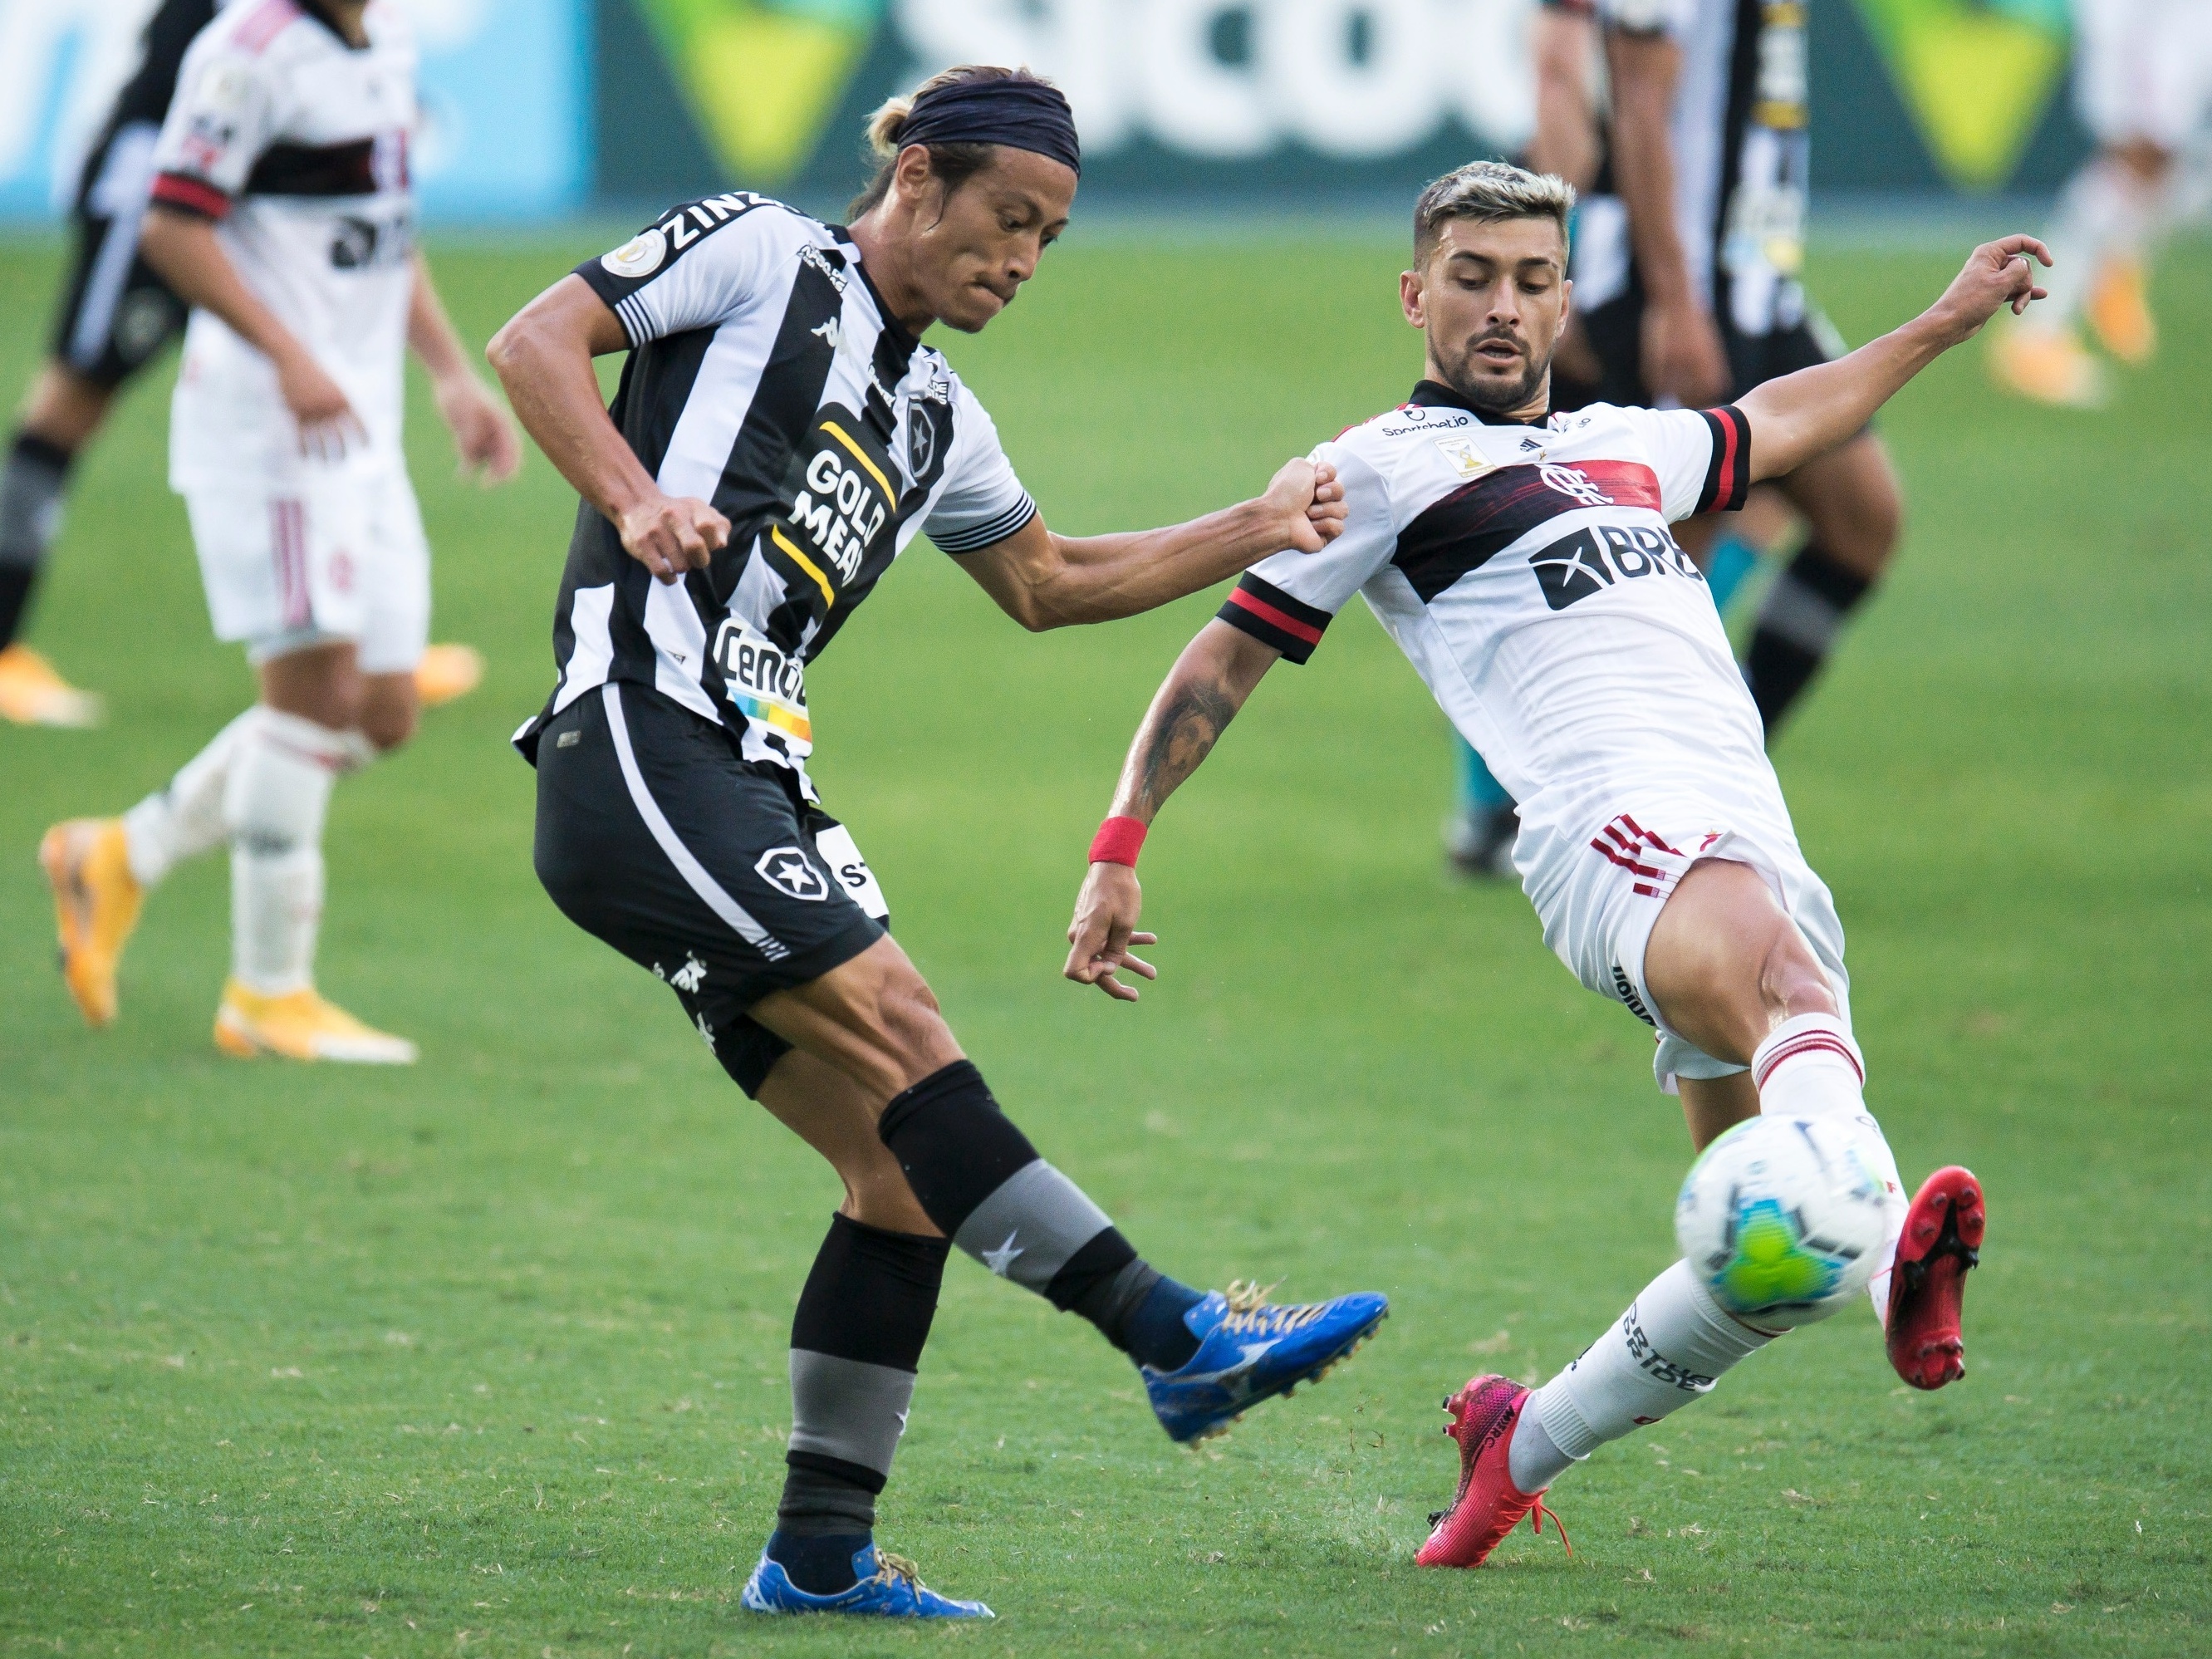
<point>31,488</point>
<point>1798,622</point>
<point>979,1179</point>
<point>855,1342</point>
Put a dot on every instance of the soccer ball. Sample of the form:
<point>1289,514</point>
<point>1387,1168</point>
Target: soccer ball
<point>1781,1220</point>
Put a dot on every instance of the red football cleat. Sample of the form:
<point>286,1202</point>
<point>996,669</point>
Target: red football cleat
<point>1488,1505</point>
<point>1942,1239</point>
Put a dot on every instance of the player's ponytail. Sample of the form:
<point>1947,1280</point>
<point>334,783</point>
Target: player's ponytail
<point>951,163</point>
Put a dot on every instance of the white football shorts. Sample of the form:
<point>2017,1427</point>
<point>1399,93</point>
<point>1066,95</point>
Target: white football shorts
<point>2144,69</point>
<point>1601,897</point>
<point>324,556</point>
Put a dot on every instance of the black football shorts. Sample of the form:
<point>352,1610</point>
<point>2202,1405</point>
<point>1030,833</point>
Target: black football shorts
<point>1616,331</point>
<point>707,870</point>
<point>117,314</point>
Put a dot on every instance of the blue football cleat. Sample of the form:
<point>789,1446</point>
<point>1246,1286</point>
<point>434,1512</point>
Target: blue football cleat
<point>890,1588</point>
<point>1249,1351</point>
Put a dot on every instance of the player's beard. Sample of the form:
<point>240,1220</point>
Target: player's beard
<point>1488,393</point>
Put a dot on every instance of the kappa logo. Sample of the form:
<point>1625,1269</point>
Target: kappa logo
<point>692,975</point>
<point>832,332</point>
<point>1575,483</point>
<point>706,1032</point>
<point>788,870</point>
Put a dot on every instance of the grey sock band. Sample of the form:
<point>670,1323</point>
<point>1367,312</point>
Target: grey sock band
<point>1031,1226</point>
<point>847,1409</point>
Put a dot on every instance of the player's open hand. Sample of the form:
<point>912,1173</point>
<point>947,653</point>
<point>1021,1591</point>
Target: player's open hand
<point>482,430</point>
<point>1310,499</point>
<point>1998,274</point>
<point>1099,938</point>
<point>327,426</point>
<point>672,534</point>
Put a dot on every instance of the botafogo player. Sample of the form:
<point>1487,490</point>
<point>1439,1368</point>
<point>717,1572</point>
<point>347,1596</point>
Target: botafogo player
<point>282,212</point>
<point>781,433</point>
<point>1525,566</point>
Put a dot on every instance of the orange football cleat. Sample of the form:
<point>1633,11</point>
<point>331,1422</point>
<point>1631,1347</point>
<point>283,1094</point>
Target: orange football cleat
<point>2049,365</point>
<point>448,673</point>
<point>33,692</point>
<point>301,1025</point>
<point>1489,1505</point>
<point>2118,310</point>
<point>96,905</point>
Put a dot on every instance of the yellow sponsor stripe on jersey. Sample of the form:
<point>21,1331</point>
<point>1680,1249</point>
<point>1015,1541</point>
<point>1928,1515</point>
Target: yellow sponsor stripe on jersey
<point>861,455</point>
<point>829,593</point>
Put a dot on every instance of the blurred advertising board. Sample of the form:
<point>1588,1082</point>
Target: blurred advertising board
<point>505,96</point>
<point>540,108</point>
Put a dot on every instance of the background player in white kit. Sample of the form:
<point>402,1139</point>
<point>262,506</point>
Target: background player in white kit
<point>2142,85</point>
<point>1525,568</point>
<point>281,213</point>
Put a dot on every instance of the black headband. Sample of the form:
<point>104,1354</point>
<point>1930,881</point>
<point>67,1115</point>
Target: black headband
<point>1024,114</point>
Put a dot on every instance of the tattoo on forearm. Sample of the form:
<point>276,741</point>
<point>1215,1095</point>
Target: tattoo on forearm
<point>1188,728</point>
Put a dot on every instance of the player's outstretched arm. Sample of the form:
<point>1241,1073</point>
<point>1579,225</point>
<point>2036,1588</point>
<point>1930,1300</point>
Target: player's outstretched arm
<point>481,429</point>
<point>182,246</point>
<point>544,358</point>
<point>1806,414</point>
<point>1046,581</point>
<point>1192,709</point>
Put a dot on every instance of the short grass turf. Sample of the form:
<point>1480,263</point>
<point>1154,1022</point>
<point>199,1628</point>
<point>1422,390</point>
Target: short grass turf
<point>488,1356</point>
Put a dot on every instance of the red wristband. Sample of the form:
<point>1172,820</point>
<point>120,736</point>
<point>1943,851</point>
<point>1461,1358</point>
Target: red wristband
<point>1117,842</point>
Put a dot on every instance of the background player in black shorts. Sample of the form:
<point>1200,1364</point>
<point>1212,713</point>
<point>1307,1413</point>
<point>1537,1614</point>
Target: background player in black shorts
<point>1687,266</point>
<point>116,316</point>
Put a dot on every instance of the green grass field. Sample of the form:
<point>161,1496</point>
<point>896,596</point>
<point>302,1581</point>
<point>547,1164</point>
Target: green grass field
<point>488,1357</point>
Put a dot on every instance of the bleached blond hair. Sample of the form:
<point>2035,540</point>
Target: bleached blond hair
<point>1488,191</point>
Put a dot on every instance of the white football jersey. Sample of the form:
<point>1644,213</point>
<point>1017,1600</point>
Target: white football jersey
<point>296,145</point>
<point>1528,574</point>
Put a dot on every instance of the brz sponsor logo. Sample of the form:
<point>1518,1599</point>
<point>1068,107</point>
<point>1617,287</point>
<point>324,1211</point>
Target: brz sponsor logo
<point>1591,560</point>
<point>641,256</point>
<point>365,244</point>
<point>788,871</point>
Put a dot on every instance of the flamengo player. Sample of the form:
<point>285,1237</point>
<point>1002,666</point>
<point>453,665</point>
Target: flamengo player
<point>281,212</point>
<point>1526,568</point>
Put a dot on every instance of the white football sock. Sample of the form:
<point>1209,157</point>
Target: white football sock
<point>278,791</point>
<point>1667,1350</point>
<point>2103,212</point>
<point>1809,1066</point>
<point>185,819</point>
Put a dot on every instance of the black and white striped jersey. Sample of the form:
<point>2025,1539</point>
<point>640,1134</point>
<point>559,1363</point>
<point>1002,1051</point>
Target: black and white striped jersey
<point>1742,161</point>
<point>766,377</point>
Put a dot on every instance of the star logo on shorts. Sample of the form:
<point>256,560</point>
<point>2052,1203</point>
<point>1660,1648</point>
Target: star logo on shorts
<point>788,870</point>
<point>1000,1260</point>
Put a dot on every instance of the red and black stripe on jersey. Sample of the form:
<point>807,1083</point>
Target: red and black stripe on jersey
<point>1273,617</point>
<point>1728,474</point>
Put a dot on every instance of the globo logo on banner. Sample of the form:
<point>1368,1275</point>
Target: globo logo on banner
<point>1350,80</point>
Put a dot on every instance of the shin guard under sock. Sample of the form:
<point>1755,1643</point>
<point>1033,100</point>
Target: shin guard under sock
<point>856,1342</point>
<point>1810,1067</point>
<point>275,800</point>
<point>978,1178</point>
<point>1798,622</point>
<point>1669,1349</point>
